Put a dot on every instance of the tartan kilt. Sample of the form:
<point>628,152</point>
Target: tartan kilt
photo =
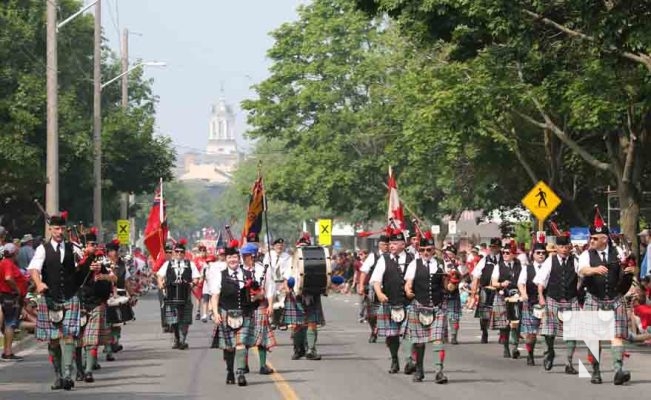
<point>228,338</point>
<point>619,307</point>
<point>386,327</point>
<point>297,313</point>
<point>69,327</point>
<point>95,332</point>
<point>371,302</point>
<point>417,333</point>
<point>498,313</point>
<point>483,311</point>
<point>263,335</point>
<point>550,325</point>
<point>529,325</point>
<point>179,313</point>
<point>453,307</point>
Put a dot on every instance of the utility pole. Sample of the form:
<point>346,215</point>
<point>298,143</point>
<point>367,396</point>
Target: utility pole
<point>124,197</point>
<point>52,163</point>
<point>97,122</point>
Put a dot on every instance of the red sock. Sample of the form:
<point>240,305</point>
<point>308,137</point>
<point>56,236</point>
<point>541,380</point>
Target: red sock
<point>51,359</point>
<point>528,347</point>
<point>590,358</point>
<point>414,355</point>
<point>442,356</point>
<point>456,326</point>
<point>93,352</point>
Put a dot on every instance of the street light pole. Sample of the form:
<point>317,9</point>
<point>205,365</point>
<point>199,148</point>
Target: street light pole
<point>124,197</point>
<point>52,162</point>
<point>97,123</point>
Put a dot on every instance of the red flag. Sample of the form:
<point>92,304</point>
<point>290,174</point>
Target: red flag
<point>395,212</point>
<point>156,230</point>
<point>253,223</point>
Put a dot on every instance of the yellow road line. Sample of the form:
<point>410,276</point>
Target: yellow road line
<point>282,385</point>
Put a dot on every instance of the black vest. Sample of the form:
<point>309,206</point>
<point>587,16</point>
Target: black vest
<point>508,274</point>
<point>562,284</point>
<point>231,297</point>
<point>428,288</point>
<point>604,287</point>
<point>486,273</point>
<point>532,289</point>
<point>121,273</point>
<point>62,279</point>
<point>170,276</point>
<point>93,293</point>
<point>393,280</point>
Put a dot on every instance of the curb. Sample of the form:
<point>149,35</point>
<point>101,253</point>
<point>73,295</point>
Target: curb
<point>25,344</point>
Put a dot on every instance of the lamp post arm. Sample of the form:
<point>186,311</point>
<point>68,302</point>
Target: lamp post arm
<point>121,75</point>
<point>75,15</point>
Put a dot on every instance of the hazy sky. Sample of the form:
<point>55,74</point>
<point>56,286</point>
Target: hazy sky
<point>205,43</point>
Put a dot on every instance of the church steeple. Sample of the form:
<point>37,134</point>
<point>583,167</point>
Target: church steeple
<point>221,138</point>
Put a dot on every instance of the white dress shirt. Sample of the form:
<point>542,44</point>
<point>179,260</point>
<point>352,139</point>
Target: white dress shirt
<point>524,274</point>
<point>279,264</point>
<point>542,277</point>
<point>476,273</point>
<point>368,263</point>
<point>216,280</point>
<point>39,254</point>
<point>432,265</point>
<point>179,265</point>
<point>378,272</point>
<point>584,258</point>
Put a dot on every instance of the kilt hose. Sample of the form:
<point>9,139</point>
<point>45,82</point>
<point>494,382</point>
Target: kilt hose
<point>498,314</point>
<point>529,325</point>
<point>417,333</point>
<point>592,303</point>
<point>227,338</point>
<point>550,325</point>
<point>68,328</point>
<point>386,327</point>
<point>179,313</point>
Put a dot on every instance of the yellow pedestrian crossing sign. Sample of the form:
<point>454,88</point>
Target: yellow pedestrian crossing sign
<point>124,231</point>
<point>541,201</point>
<point>325,232</point>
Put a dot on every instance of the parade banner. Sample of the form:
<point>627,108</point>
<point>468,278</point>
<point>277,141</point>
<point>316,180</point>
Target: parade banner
<point>156,230</point>
<point>395,211</point>
<point>253,223</point>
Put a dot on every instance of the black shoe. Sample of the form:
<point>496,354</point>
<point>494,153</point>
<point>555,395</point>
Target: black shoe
<point>569,369</point>
<point>80,376</point>
<point>548,361</point>
<point>313,355</point>
<point>57,385</point>
<point>97,366</point>
<point>176,345</point>
<point>441,378</point>
<point>246,369</point>
<point>418,376</point>
<point>621,377</point>
<point>89,377</point>
<point>484,336</point>
<point>530,360</point>
<point>298,353</point>
<point>197,317</point>
<point>507,353</point>
<point>395,367</point>
<point>265,370</point>
<point>230,378</point>
<point>241,379</point>
<point>11,357</point>
<point>183,346</point>
<point>410,367</point>
<point>596,375</point>
<point>109,357</point>
<point>372,338</point>
<point>515,354</point>
<point>68,384</point>
<point>117,348</point>
<point>454,340</point>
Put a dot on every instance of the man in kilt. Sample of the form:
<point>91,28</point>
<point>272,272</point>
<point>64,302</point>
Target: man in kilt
<point>279,262</point>
<point>261,289</point>
<point>95,290</point>
<point>366,290</point>
<point>453,298</point>
<point>169,249</point>
<point>182,272</point>
<point>558,285</point>
<point>427,283</point>
<point>233,313</point>
<point>606,280</point>
<point>389,286</point>
<point>530,324</point>
<point>56,276</point>
<point>481,291</point>
<point>505,278</point>
<point>303,313</point>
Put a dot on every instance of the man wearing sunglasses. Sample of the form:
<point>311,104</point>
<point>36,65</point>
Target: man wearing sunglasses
<point>530,325</point>
<point>453,298</point>
<point>388,280</point>
<point>365,289</point>
<point>482,288</point>
<point>606,280</point>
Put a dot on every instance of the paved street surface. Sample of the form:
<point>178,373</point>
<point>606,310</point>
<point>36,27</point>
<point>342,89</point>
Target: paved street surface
<point>351,368</point>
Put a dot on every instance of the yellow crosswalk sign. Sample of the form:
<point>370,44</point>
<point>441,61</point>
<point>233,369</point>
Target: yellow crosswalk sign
<point>541,201</point>
<point>325,232</point>
<point>124,231</point>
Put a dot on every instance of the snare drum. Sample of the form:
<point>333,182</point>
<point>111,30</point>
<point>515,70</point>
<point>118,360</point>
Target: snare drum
<point>486,297</point>
<point>513,310</point>
<point>311,268</point>
<point>177,293</point>
<point>119,310</point>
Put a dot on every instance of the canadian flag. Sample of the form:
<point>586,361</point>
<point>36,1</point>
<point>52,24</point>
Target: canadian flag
<point>395,211</point>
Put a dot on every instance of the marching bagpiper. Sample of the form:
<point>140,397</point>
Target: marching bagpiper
<point>531,310</point>
<point>366,289</point>
<point>56,275</point>
<point>606,280</point>
<point>453,298</point>
<point>177,277</point>
<point>279,263</point>
<point>482,292</point>
<point>427,284</point>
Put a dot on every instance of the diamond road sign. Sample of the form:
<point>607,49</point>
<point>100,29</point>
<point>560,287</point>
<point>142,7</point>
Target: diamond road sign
<point>124,231</point>
<point>541,201</point>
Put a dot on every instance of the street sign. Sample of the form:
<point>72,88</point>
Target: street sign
<point>436,229</point>
<point>541,201</point>
<point>452,227</point>
<point>124,231</point>
<point>325,232</point>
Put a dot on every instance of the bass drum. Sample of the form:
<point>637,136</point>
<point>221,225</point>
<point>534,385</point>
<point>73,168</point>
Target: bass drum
<point>311,270</point>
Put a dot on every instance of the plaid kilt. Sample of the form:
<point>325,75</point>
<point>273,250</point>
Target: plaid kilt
<point>550,325</point>
<point>298,313</point>
<point>95,333</point>
<point>529,325</point>
<point>68,328</point>
<point>228,338</point>
<point>263,335</point>
<point>498,314</point>
<point>418,333</point>
<point>371,302</point>
<point>619,307</point>
<point>386,327</point>
<point>453,307</point>
<point>483,311</point>
<point>179,314</point>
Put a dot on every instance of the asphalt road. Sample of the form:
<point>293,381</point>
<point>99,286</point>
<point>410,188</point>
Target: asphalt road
<point>351,368</point>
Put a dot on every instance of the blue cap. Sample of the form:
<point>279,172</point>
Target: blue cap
<point>337,280</point>
<point>249,248</point>
<point>291,282</point>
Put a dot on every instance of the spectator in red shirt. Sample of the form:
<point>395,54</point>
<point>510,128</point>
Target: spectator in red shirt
<point>13,288</point>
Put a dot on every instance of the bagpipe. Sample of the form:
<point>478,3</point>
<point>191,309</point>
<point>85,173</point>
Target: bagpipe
<point>72,233</point>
